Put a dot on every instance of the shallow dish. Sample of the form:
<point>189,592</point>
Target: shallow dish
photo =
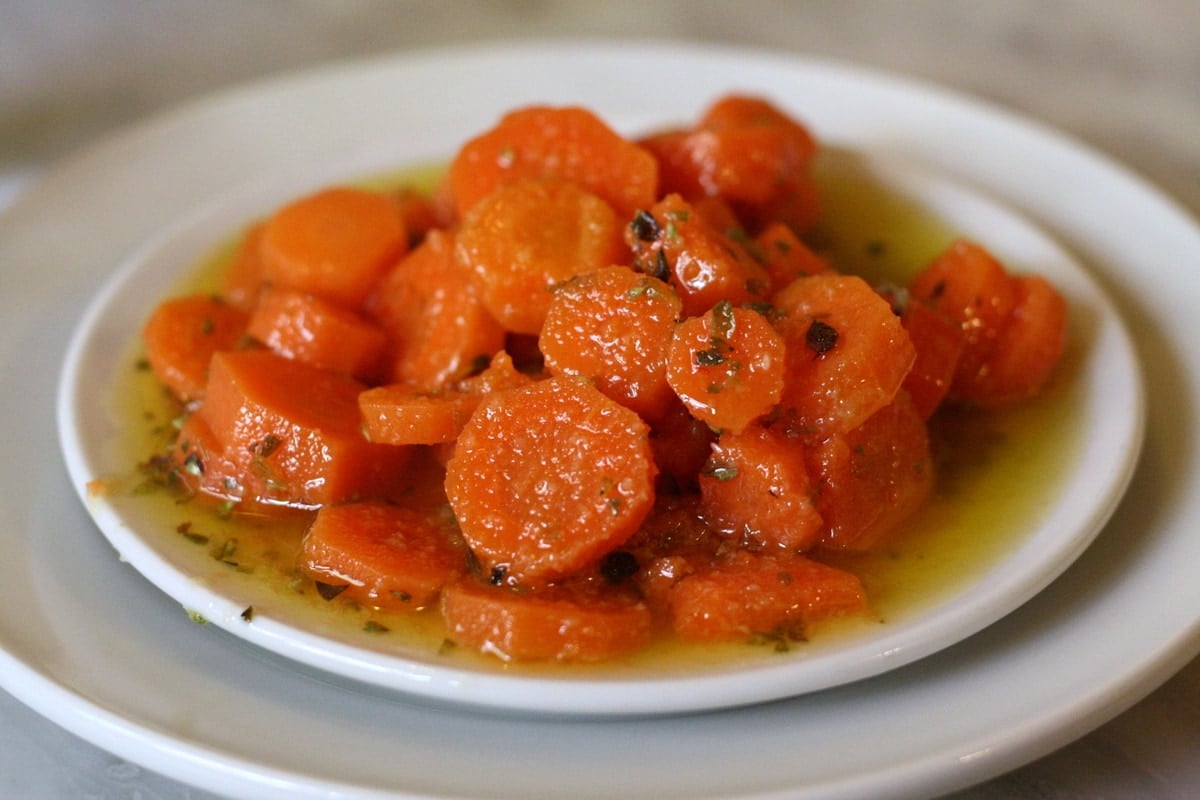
<point>1102,396</point>
<point>97,649</point>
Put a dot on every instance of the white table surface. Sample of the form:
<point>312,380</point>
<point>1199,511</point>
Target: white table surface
<point>1121,75</point>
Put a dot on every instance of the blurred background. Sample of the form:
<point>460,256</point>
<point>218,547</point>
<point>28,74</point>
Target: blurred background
<point>1122,76</point>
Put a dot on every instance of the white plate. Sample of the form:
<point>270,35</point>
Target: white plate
<point>95,648</point>
<point>1103,392</point>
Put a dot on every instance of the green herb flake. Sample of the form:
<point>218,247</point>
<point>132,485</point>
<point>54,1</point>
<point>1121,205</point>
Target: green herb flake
<point>196,617</point>
<point>371,626</point>
<point>719,471</point>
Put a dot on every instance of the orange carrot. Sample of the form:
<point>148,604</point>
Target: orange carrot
<point>753,595</point>
<point>394,414</point>
<point>568,143</point>
<point>547,478</point>
<point>680,444</point>
<point>243,276</point>
<point>334,243</point>
<point>306,328</point>
<point>786,257</point>
<point>939,342</point>
<point>847,353</point>
<point>438,328</point>
<point>755,487</point>
<point>295,430</point>
<point>672,242</point>
<point>614,326</point>
<point>530,236</point>
<point>181,336</point>
<point>383,556</point>
<point>873,477</point>
<point>727,366</point>
<point>569,624</point>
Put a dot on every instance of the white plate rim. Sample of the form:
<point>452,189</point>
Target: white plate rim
<point>1051,726</point>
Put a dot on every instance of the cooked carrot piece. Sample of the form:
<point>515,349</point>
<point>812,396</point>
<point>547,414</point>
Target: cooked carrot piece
<point>569,143</point>
<point>501,373</point>
<point>384,556</point>
<point>569,624</point>
<point>746,151</point>
<point>681,445</point>
<point>295,429</point>
<point>755,487</point>
<point>243,276</point>
<point>395,414</point>
<point>305,327</point>
<point>181,336</point>
<point>334,243</point>
<point>727,366</point>
<point>1028,350</point>
<point>939,342</point>
<point>969,285</point>
<point>672,242</point>
<point>758,595</point>
<point>418,213</point>
<point>437,325</point>
<point>873,477</point>
<point>199,461</point>
<point>847,353</point>
<point>530,236</point>
<point>786,257</point>
<point>547,478</point>
<point>614,326</point>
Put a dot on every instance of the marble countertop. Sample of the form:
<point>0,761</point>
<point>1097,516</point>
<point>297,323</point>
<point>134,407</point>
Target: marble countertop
<point>1121,76</point>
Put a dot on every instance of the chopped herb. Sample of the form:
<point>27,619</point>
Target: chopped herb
<point>267,446</point>
<point>712,357</point>
<point>719,471</point>
<point>207,326</point>
<point>402,596</point>
<point>192,464</point>
<point>328,591</point>
<point>196,617</point>
<point>821,337</point>
<point>248,613</point>
<point>497,576</point>
<point>645,227</point>
<point>723,319</point>
<point>371,626</point>
<point>662,269</point>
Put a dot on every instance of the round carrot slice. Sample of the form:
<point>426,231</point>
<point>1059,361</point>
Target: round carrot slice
<point>557,624</point>
<point>531,235</point>
<point>547,478</point>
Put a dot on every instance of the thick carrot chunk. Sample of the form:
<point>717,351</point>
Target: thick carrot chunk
<point>847,353</point>
<point>547,478</point>
<point>727,366</point>
<point>869,480</point>
<point>614,326</point>
<point>939,342</point>
<point>756,595</point>
<point>530,236</point>
<point>243,277</point>
<point>334,243</point>
<point>569,623</point>
<point>437,325</point>
<point>394,414</point>
<point>384,556</point>
<point>786,257</point>
<point>296,429</point>
<point>568,143</point>
<point>755,487</point>
<point>307,328</point>
<point>181,337</point>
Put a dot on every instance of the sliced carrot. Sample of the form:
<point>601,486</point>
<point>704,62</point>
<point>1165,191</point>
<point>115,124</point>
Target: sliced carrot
<point>395,414</point>
<point>614,326</point>
<point>847,353</point>
<point>501,373</point>
<point>547,478</point>
<point>681,445</point>
<point>727,366</point>
<point>673,242</point>
<point>305,327</point>
<point>565,142</point>
<point>1028,349</point>
<point>872,478</point>
<point>786,256</point>
<point>295,430</point>
<point>181,336</point>
<point>335,243</point>
<point>243,276</point>
<point>530,236</point>
<point>384,556</point>
<point>438,327</point>
<point>569,624</point>
<point>755,486</point>
<point>753,595</point>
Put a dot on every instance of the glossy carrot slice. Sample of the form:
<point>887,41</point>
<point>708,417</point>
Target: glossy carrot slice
<point>384,556</point>
<point>547,478</point>
<point>181,336</point>
<point>558,624</point>
<point>395,414</point>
